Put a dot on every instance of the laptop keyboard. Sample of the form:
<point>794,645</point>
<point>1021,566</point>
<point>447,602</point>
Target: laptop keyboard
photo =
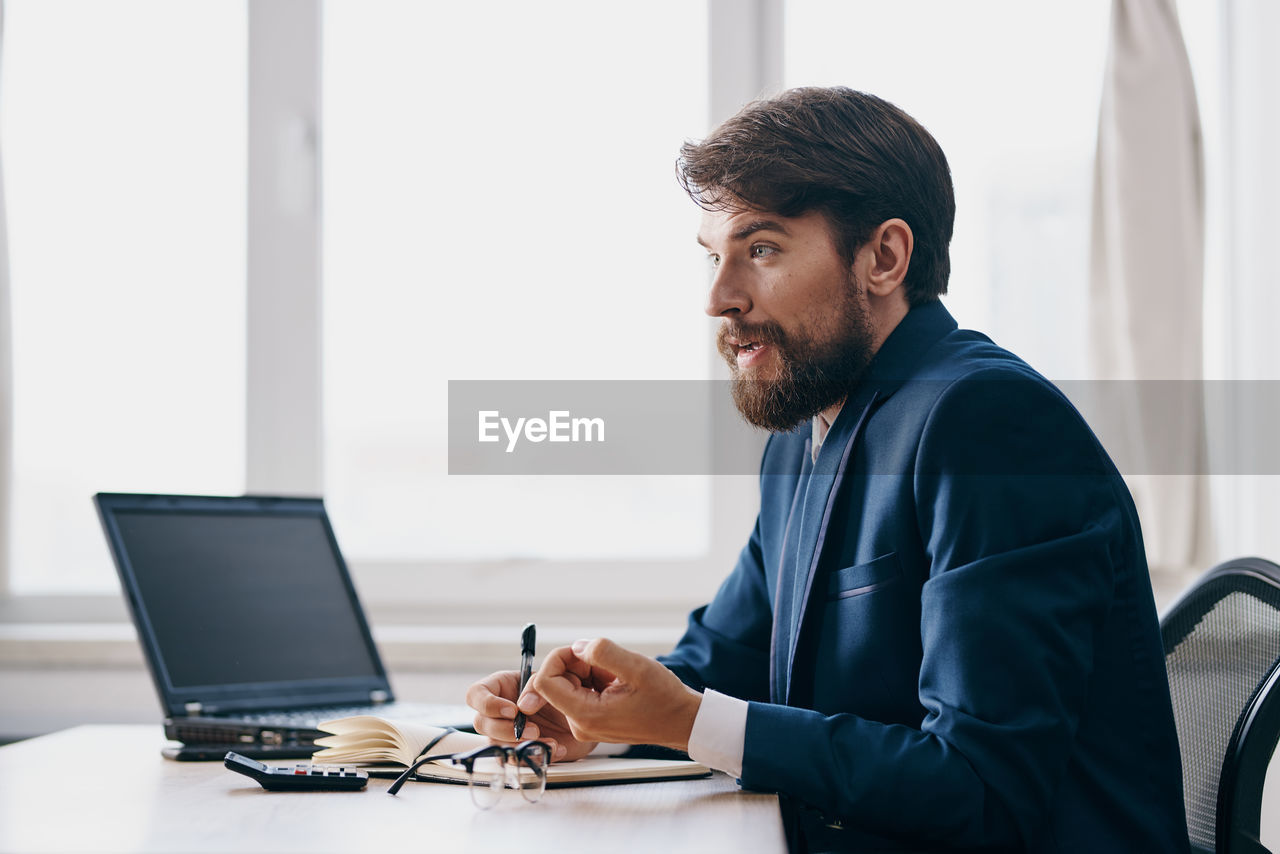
<point>439,713</point>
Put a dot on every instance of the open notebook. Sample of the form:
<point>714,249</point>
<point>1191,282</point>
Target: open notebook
<point>385,748</point>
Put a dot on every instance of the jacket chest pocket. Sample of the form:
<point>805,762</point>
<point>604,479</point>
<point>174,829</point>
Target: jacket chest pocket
<point>863,578</point>
<point>868,645</point>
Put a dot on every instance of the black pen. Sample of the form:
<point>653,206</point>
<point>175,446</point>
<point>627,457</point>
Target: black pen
<point>527,638</point>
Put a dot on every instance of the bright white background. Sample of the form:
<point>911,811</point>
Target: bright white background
<point>123,129</point>
<point>499,202</point>
<point>1010,90</point>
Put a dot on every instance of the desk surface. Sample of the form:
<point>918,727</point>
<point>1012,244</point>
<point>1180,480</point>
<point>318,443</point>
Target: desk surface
<point>106,788</point>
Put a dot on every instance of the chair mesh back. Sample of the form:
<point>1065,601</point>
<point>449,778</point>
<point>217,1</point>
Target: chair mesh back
<point>1224,653</point>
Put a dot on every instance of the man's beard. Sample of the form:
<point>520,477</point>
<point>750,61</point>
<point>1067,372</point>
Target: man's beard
<point>811,375</point>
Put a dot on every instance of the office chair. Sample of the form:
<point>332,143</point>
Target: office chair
<point>1222,651</point>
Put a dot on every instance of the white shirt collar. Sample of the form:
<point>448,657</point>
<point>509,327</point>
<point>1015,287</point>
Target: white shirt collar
<point>822,425</point>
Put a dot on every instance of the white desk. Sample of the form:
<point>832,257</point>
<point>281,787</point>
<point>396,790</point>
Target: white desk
<point>107,789</point>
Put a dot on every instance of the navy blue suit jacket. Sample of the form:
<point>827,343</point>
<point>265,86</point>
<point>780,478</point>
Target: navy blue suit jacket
<point>945,624</point>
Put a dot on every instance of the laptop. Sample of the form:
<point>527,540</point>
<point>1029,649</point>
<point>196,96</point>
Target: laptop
<point>250,624</point>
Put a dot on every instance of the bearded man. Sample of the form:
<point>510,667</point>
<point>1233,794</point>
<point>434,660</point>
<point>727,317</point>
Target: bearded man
<point>941,633</point>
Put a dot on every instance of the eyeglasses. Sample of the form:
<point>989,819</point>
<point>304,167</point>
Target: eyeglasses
<point>492,768</point>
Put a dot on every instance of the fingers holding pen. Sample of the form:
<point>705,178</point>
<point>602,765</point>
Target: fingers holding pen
<point>531,701</point>
<point>568,682</point>
<point>494,696</point>
<point>502,730</point>
<point>497,699</point>
<point>494,700</point>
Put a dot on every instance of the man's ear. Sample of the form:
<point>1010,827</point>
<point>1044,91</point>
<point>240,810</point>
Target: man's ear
<point>885,257</point>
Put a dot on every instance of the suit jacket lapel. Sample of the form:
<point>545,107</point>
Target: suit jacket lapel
<point>816,494</point>
<point>780,642</point>
<point>821,489</point>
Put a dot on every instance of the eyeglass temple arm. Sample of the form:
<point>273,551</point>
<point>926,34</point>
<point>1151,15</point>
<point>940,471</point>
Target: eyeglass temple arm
<point>413,769</point>
<point>421,760</point>
<point>466,760</point>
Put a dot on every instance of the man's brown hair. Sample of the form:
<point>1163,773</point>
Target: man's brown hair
<point>856,158</point>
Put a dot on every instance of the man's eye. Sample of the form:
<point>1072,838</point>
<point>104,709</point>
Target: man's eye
<point>713,260</point>
<point>759,251</point>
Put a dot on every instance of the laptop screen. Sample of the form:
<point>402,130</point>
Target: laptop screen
<point>239,592</point>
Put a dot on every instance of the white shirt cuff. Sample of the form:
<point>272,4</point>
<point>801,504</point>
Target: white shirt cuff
<point>719,733</point>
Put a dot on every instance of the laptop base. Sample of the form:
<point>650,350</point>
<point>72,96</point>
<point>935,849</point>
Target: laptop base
<point>203,731</point>
<point>216,752</point>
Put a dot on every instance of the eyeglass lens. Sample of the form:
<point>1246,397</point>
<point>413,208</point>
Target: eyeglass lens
<point>524,768</point>
<point>532,761</point>
<point>486,781</point>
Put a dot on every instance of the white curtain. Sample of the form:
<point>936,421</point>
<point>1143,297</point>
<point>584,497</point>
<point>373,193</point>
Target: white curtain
<point>1249,506</point>
<point>1146,290</point>
<point>6,375</point>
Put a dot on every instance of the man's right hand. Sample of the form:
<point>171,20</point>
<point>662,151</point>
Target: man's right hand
<point>494,699</point>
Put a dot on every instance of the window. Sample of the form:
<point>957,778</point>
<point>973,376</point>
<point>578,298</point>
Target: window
<point>1011,91</point>
<point>501,203</point>
<point>124,162</point>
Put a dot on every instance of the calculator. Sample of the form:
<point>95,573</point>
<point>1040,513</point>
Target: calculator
<point>303,777</point>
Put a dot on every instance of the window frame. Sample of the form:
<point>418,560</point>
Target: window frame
<point>284,447</point>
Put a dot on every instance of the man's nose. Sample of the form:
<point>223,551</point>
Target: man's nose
<point>727,293</point>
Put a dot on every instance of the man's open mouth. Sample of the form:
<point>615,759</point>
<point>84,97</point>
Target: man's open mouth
<point>745,353</point>
<point>748,353</point>
<point>743,345</point>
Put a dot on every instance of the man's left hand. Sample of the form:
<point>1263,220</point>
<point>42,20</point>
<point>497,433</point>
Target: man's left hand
<point>611,694</point>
